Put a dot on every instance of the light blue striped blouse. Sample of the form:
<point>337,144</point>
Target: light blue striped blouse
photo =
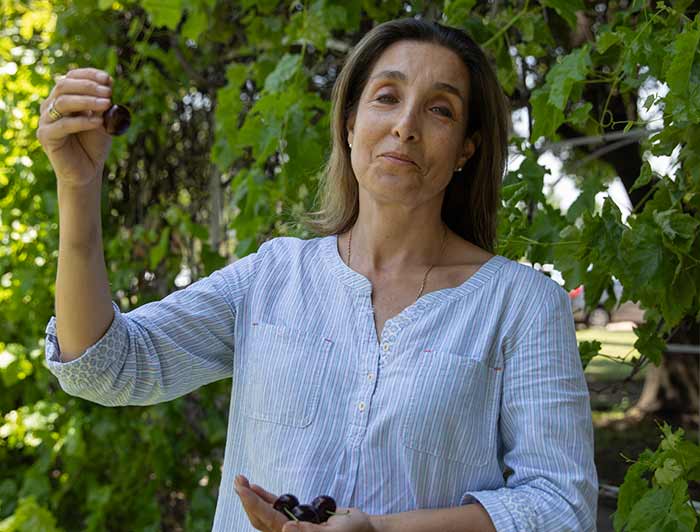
<point>465,381</point>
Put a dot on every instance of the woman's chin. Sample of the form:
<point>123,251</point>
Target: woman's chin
<point>394,189</point>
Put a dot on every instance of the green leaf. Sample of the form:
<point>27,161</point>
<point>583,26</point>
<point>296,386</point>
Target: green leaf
<point>669,472</point>
<point>566,257</point>
<point>682,516</point>
<point>197,22</point>
<point>642,254</point>
<point>160,250</point>
<point>670,439</point>
<point>606,40</point>
<point>677,226</point>
<point>579,118</point>
<point>285,70</point>
<point>456,11</point>
<point>648,343</point>
<point>561,78</point>
<point>164,12</point>
<point>29,515</point>
<point>505,69</point>
<point>649,513</point>
<point>649,102</point>
<point>677,300</point>
<point>546,117</point>
<point>645,176</point>
<point>632,489</point>
<point>587,350</point>
<point>678,73</point>
<point>566,8</point>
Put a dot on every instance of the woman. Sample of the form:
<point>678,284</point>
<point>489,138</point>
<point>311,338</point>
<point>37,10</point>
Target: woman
<point>394,363</point>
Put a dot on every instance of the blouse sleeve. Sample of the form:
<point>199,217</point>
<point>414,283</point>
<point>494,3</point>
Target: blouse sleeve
<point>163,349</point>
<point>546,430</point>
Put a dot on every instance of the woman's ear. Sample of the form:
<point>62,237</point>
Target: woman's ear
<point>351,127</point>
<point>476,139</point>
<point>469,148</point>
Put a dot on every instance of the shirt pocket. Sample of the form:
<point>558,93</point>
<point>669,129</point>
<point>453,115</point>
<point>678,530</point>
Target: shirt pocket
<point>452,409</point>
<point>282,374</point>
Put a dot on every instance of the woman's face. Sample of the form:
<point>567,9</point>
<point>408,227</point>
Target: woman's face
<point>414,103</point>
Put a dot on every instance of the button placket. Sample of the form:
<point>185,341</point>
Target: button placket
<point>368,360</point>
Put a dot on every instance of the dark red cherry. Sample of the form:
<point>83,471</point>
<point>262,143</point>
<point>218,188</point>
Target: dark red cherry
<point>286,501</point>
<point>116,120</point>
<point>325,506</point>
<point>304,512</point>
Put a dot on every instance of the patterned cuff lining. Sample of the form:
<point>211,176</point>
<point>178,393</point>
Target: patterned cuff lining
<point>97,357</point>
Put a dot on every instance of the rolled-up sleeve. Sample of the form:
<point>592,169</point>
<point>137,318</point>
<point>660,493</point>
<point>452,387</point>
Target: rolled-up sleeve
<point>546,431</point>
<point>163,349</point>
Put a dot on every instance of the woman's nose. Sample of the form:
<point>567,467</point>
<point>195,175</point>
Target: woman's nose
<point>407,127</point>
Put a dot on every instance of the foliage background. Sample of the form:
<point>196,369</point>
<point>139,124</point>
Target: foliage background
<point>230,105</point>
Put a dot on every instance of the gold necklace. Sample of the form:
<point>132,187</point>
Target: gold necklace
<point>444,240</point>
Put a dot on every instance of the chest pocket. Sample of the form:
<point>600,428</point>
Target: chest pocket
<point>452,409</point>
<point>282,373</point>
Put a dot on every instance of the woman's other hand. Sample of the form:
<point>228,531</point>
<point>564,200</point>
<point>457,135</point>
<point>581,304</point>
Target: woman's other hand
<point>76,143</point>
<point>257,503</point>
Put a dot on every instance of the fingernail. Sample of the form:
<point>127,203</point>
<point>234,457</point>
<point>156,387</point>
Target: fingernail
<point>102,77</point>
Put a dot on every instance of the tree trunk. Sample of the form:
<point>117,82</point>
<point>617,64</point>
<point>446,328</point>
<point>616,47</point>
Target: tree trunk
<point>215,207</point>
<point>672,390</point>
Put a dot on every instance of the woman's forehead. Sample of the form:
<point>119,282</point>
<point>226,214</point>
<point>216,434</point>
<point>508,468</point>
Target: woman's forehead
<point>412,61</point>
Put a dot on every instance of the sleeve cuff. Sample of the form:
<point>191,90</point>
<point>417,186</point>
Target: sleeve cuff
<point>83,370</point>
<point>493,503</point>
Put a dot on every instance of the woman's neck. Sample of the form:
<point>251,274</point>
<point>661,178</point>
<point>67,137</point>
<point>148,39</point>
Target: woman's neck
<point>382,244</point>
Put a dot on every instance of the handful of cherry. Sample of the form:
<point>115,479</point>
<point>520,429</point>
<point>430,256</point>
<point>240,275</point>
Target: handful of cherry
<point>319,511</point>
<point>116,120</point>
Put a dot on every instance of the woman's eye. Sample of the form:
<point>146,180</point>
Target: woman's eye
<point>383,96</point>
<point>445,111</point>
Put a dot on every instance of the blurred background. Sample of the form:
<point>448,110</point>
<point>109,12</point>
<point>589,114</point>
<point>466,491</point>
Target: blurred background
<point>230,107</point>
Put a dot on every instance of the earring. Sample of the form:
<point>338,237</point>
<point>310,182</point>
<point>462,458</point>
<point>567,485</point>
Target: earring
<point>459,169</point>
<point>350,145</point>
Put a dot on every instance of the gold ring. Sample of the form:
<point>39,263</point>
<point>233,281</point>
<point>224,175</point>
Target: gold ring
<point>53,112</point>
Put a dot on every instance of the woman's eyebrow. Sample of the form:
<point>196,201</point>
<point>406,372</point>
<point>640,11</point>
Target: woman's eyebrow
<point>400,76</point>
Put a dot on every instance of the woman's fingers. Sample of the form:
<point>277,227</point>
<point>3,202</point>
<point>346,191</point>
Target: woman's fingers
<point>82,91</point>
<point>263,494</point>
<point>82,86</point>
<point>85,87</point>
<point>60,129</point>
<point>70,104</point>
<point>90,73</point>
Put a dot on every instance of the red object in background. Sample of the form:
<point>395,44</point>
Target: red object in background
<point>575,292</point>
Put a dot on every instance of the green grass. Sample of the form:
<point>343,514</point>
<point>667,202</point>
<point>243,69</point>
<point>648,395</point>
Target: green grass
<point>617,348</point>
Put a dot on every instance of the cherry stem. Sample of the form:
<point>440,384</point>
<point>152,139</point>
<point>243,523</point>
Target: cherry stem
<point>290,514</point>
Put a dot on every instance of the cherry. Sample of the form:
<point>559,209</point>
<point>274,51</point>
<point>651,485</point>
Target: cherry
<point>117,120</point>
<point>285,502</point>
<point>305,512</point>
<point>325,506</point>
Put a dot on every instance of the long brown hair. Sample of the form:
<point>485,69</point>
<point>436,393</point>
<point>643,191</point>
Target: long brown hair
<point>472,197</point>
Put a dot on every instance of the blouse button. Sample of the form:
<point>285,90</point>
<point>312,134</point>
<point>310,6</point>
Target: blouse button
<point>369,376</point>
<point>385,347</point>
<point>361,406</point>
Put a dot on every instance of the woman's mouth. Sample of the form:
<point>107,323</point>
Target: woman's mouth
<point>397,161</point>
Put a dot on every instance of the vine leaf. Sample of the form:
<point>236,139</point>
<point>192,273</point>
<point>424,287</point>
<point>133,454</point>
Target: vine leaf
<point>678,73</point>
<point>566,9</point>
<point>164,12</point>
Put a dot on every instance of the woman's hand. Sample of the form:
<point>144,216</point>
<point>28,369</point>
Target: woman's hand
<point>77,144</point>
<point>257,503</point>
